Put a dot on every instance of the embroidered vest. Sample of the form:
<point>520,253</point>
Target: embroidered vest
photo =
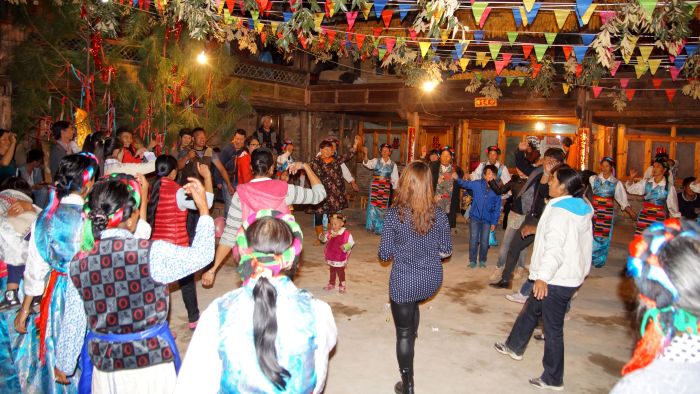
<point>267,194</point>
<point>295,343</point>
<point>170,220</point>
<point>333,250</point>
<point>655,195</point>
<point>604,188</point>
<point>120,297</point>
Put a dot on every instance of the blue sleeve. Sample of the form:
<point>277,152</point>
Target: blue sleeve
<point>495,209</point>
<point>386,243</point>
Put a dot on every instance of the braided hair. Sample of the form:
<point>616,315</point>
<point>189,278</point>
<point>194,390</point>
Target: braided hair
<point>112,200</point>
<point>165,164</point>
<point>664,264</point>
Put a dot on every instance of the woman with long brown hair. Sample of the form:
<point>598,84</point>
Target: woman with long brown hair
<point>416,236</point>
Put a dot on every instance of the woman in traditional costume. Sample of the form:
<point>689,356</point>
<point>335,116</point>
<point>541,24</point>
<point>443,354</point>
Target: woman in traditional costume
<point>446,195</point>
<point>659,196</point>
<point>385,178</point>
<point>606,190</point>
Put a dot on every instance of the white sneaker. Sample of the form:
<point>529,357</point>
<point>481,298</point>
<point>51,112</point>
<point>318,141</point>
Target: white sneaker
<point>518,273</point>
<point>516,297</point>
<point>496,274</point>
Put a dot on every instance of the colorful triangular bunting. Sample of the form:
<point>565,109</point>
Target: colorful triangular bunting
<point>624,82</point>
<point>580,52</point>
<point>645,51</point>
<point>561,17</point>
<point>527,49</point>
<point>656,82</point>
<point>596,91</point>
<point>615,66</point>
<point>403,10</point>
<point>424,45</point>
<point>674,72</point>
<point>670,94</point>
<point>654,65</point>
<point>512,36</point>
<point>567,51</point>
<point>495,48</point>
<point>463,63</point>
<point>350,17</point>
<point>629,93</point>
<point>550,37</point>
<point>387,13</point>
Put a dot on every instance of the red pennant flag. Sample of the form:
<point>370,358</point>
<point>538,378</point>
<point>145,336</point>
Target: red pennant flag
<point>567,51</point>
<point>263,36</point>
<point>671,58</point>
<point>674,72</point>
<point>387,13</point>
<point>670,93</point>
<point>268,8</point>
<point>240,7</point>
<point>624,82</point>
<point>629,93</point>
<point>262,4</point>
<point>614,68</point>
<point>413,33</point>
<point>656,82</point>
<point>526,50</point>
<point>500,64</point>
<point>331,36</point>
<point>328,8</point>
<point>596,91</point>
<point>376,31</point>
<point>536,69</point>
<point>359,40</point>
<point>230,4</point>
<point>350,17</point>
<point>389,44</point>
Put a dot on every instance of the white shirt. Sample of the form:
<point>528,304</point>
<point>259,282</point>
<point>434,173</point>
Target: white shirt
<point>113,166</point>
<point>647,174</point>
<point>562,252</point>
<point>505,174</point>
<point>620,193</point>
<point>371,164</point>
<point>639,188</point>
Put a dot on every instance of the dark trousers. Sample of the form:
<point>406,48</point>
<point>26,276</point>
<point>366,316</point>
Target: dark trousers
<point>506,211</point>
<point>478,240</point>
<point>406,319</point>
<point>552,310</point>
<point>516,246</point>
<point>15,273</point>
<point>188,286</point>
<point>337,271</point>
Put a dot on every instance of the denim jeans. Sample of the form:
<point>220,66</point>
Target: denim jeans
<point>517,247</point>
<point>527,287</point>
<point>508,236</point>
<point>478,240</point>
<point>552,309</point>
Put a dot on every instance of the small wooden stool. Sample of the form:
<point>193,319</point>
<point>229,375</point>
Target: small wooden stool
<point>363,202</point>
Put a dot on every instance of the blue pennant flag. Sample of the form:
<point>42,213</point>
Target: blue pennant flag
<point>251,23</point>
<point>498,80</point>
<point>459,47</point>
<point>580,52</point>
<point>433,46</point>
<point>533,12</point>
<point>379,7</point>
<point>690,49</point>
<point>287,16</point>
<point>135,3</point>
<point>478,35</point>
<point>403,10</point>
<point>455,55</point>
<point>517,17</point>
<point>587,38</point>
<point>679,62</point>
<point>581,8</point>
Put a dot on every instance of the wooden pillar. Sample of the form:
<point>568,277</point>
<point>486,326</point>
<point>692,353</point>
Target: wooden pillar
<point>672,147</point>
<point>466,137</point>
<point>414,121</point>
<point>600,146</point>
<point>621,152</point>
<point>502,137</point>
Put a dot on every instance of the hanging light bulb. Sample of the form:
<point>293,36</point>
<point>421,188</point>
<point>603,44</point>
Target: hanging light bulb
<point>429,85</point>
<point>202,58</point>
<point>539,126</point>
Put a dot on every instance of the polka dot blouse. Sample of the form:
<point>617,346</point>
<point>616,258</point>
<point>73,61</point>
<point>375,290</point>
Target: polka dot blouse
<point>416,273</point>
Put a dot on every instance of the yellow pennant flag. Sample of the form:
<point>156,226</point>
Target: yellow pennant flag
<point>464,62</point>
<point>654,65</point>
<point>587,15</point>
<point>528,5</point>
<point>274,25</point>
<point>259,26</point>
<point>366,8</point>
<point>561,16</point>
<point>523,15</point>
<point>424,45</point>
<point>645,51</point>
<point>640,69</point>
<point>221,7</point>
<point>566,87</point>
<point>318,19</point>
<point>626,57</point>
<point>443,35</point>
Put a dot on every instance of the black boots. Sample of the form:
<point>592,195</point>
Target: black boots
<point>405,386</point>
<point>502,284</point>
<point>11,300</point>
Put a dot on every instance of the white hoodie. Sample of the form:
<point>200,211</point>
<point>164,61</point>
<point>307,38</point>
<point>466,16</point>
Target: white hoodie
<point>563,242</point>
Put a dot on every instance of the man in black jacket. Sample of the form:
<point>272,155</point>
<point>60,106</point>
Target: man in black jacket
<point>530,203</point>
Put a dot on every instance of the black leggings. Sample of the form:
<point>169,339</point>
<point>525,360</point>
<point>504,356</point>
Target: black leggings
<point>406,319</point>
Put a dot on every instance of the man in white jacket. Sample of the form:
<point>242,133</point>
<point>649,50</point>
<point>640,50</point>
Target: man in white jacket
<point>561,260</point>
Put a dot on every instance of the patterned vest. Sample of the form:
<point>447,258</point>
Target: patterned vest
<point>170,220</point>
<point>655,195</point>
<point>120,297</point>
<point>604,188</point>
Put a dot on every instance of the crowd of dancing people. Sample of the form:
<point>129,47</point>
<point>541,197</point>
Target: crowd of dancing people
<point>91,241</point>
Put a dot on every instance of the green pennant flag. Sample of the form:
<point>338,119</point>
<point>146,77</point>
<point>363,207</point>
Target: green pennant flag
<point>509,80</point>
<point>375,41</point>
<point>521,81</point>
<point>478,9</point>
<point>495,47</point>
<point>512,35</point>
<point>550,37</point>
<point>640,69</point>
<point>381,53</point>
<point>540,50</point>
<point>648,6</point>
<point>561,16</point>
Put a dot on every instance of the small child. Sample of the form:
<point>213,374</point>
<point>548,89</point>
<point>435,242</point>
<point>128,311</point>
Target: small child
<point>16,217</point>
<point>285,159</point>
<point>338,242</point>
<point>484,214</point>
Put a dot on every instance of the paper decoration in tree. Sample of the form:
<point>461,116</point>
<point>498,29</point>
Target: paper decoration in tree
<point>443,35</point>
<point>645,51</point>
<point>624,82</point>
<point>561,16</point>
<point>648,6</point>
<point>656,82</point>
<point>606,16</point>
<point>512,36</point>
<point>494,48</point>
<point>627,57</point>
<point>580,52</point>
<point>596,91</point>
<point>670,94</point>
<point>463,63</point>
<point>318,19</point>
<point>567,51</point>
<point>550,37</point>
<point>350,17</point>
<point>82,126</point>
<point>386,16</point>
<point>629,93</point>
<point>379,7</point>
<point>424,46</point>
<point>654,65</point>
<point>403,10</point>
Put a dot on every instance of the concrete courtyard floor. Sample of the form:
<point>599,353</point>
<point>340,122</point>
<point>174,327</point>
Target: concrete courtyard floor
<point>454,350</point>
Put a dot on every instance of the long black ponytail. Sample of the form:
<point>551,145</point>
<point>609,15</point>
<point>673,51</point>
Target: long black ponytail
<point>268,235</point>
<point>165,164</point>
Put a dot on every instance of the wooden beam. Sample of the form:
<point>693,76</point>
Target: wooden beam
<point>672,147</point>
<point>600,147</point>
<point>621,152</point>
<point>502,136</point>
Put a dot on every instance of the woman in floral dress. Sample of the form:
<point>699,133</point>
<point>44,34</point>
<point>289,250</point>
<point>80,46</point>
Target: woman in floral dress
<point>446,195</point>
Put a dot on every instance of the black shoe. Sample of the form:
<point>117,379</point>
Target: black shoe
<point>501,284</point>
<point>405,386</point>
<point>11,300</point>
